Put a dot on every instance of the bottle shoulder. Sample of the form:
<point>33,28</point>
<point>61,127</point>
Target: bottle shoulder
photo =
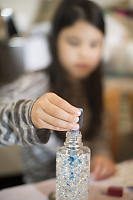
<point>86,149</point>
<point>65,150</point>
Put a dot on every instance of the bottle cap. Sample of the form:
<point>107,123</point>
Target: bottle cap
<point>80,118</point>
<point>80,122</point>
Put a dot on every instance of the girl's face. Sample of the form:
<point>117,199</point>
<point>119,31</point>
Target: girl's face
<point>79,49</point>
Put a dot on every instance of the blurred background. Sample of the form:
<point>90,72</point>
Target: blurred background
<point>24,26</point>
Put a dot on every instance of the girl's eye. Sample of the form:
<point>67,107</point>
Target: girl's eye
<point>94,44</point>
<point>74,42</point>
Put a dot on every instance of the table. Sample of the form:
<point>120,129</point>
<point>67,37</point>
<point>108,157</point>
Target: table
<point>40,191</point>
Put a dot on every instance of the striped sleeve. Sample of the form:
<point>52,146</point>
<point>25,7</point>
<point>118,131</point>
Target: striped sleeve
<point>16,127</point>
<point>15,107</point>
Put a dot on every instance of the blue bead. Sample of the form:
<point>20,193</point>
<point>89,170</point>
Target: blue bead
<point>79,161</point>
<point>71,159</point>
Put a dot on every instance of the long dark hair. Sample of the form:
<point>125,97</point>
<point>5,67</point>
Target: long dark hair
<point>69,12</point>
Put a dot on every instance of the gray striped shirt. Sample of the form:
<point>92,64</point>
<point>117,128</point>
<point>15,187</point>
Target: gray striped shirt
<point>16,101</point>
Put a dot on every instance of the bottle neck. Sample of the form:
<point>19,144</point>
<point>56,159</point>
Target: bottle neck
<point>73,140</point>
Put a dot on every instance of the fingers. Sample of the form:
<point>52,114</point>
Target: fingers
<point>58,113</point>
<point>57,123</point>
<point>102,172</point>
<point>43,124</point>
<point>64,105</point>
<point>96,172</point>
<point>102,168</point>
<point>105,173</point>
<point>53,112</point>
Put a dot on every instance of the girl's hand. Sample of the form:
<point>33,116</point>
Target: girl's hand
<point>102,167</point>
<point>52,112</point>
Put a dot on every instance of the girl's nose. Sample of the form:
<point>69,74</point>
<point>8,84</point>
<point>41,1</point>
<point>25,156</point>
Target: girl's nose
<point>84,53</point>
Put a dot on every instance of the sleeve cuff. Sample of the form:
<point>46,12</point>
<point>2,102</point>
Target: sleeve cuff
<point>41,135</point>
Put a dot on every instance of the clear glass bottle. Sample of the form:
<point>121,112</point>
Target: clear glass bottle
<point>72,168</point>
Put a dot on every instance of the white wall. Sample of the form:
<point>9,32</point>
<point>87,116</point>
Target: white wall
<point>25,11</point>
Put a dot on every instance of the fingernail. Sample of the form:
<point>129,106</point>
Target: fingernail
<point>75,126</point>
<point>78,112</point>
<point>76,119</point>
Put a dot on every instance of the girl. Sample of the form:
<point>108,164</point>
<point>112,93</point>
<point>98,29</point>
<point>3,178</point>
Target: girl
<point>74,76</point>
